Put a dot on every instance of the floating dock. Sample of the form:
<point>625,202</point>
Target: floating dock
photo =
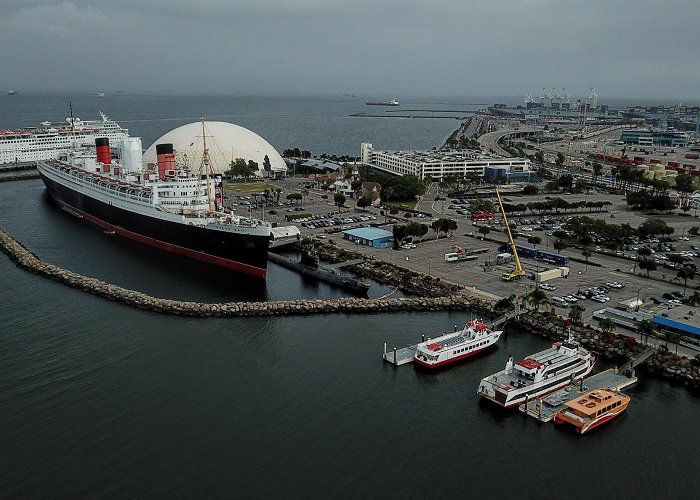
<point>544,409</point>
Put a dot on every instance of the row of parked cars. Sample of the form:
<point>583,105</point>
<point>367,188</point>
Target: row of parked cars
<point>595,293</point>
<point>343,222</point>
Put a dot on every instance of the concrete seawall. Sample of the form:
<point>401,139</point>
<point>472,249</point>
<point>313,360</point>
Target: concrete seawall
<point>30,262</point>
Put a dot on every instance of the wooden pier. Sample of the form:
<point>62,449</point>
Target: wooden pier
<point>544,409</point>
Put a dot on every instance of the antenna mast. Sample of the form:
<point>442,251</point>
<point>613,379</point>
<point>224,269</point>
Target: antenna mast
<point>207,164</point>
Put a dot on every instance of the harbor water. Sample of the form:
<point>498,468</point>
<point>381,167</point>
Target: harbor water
<point>100,400</point>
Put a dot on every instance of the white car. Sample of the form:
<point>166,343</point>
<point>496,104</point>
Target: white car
<point>675,303</point>
<point>571,299</point>
<point>545,286</point>
<point>600,298</point>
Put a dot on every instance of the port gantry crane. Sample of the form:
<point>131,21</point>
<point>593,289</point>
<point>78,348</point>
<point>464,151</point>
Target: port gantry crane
<point>518,272</point>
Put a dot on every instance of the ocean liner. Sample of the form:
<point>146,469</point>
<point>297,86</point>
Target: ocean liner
<point>161,205</point>
<point>50,140</point>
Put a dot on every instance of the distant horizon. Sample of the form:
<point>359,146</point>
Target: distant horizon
<point>470,99</point>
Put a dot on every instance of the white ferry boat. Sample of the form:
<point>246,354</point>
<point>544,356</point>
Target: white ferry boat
<point>538,374</point>
<point>474,338</point>
<point>51,140</point>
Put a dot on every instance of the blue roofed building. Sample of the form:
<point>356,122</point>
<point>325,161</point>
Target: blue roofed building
<point>371,236</point>
<point>682,320</point>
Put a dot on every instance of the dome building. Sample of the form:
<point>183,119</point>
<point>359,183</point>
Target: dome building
<point>226,142</point>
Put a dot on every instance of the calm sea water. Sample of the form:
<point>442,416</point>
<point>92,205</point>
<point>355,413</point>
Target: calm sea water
<point>99,400</point>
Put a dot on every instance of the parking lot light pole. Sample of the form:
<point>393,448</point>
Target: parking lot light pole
<point>636,303</point>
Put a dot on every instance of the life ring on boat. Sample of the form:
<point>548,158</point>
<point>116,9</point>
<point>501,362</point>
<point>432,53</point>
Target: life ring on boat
<point>590,405</point>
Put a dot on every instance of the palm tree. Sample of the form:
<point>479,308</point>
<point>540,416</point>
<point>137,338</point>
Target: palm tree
<point>645,328</point>
<point>607,325</point>
<point>575,315</point>
<point>686,274</point>
<point>536,298</point>
<point>597,169</point>
<point>484,230</point>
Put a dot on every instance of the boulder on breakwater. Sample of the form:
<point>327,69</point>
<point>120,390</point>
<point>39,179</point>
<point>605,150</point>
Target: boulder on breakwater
<point>27,260</point>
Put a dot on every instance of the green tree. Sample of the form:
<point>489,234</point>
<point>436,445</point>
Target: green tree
<point>597,169</point>
<point>267,166</point>
<point>647,265</point>
<point>537,298</point>
<point>607,325</point>
<point>530,190</point>
<point>339,200</point>
<point>646,329</point>
<point>534,240</point>
<point>559,245</point>
<point>484,230</point>
<point>576,315</point>
<point>294,197</point>
<point>363,202</point>
<point>686,273</point>
<point>693,231</point>
<point>239,168</point>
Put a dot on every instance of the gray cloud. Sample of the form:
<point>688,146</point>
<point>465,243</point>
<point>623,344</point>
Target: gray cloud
<point>381,47</point>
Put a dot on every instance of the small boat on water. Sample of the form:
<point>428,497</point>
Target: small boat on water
<point>12,92</point>
<point>101,95</point>
<point>592,409</point>
<point>474,338</point>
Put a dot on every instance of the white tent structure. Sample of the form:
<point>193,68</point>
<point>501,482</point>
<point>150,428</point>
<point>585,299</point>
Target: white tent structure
<point>225,141</point>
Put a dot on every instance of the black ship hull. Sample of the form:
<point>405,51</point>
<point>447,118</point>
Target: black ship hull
<point>245,253</point>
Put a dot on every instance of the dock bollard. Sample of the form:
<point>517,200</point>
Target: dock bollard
<point>384,350</point>
<point>395,362</point>
<point>422,338</point>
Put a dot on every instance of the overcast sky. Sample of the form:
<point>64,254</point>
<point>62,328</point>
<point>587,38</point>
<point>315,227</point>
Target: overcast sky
<point>622,48</point>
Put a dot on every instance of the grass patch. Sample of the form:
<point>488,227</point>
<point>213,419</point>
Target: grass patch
<point>403,203</point>
<point>249,187</point>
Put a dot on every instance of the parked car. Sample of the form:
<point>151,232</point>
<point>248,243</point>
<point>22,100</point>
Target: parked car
<point>545,286</point>
<point>571,299</point>
<point>600,298</point>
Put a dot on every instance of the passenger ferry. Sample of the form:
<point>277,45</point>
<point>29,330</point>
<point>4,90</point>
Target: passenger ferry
<point>592,409</point>
<point>474,338</point>
<point>538,374</point>
<point>51,140</point>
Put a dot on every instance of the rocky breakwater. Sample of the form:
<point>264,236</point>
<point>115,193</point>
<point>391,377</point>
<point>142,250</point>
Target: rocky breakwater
<point>616,347</point>
<point>27,260</point>
<point>19,177</point>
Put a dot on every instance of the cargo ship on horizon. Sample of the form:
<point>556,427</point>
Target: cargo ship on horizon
<point>393,102</point>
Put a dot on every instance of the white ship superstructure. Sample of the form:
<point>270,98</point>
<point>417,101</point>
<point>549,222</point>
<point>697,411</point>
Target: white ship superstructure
<point>538,374</point>
<point>475,337</point>
<point>51,140</point>
<point>160,205</point>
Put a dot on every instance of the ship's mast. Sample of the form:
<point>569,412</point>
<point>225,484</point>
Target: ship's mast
<point>72,124</point>
<point>206,164</point>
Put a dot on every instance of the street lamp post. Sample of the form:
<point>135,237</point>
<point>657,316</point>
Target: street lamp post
<point>636,303</point>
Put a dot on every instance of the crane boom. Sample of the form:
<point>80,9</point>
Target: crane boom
<point>518,272</point>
